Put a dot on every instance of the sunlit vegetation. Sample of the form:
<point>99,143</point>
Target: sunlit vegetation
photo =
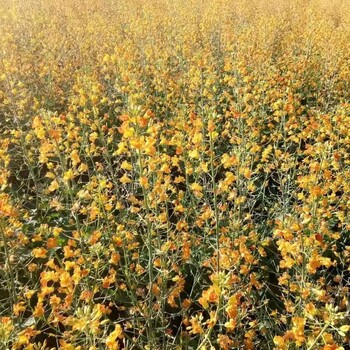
<point>174,174</point>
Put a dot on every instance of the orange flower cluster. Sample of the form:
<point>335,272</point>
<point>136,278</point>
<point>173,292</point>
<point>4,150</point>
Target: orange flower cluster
<point>174,174</point>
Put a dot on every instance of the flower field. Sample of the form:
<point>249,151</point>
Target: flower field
<point>174,174</point>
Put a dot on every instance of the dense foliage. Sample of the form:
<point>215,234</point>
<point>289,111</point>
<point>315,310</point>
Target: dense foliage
<point>174,174</point>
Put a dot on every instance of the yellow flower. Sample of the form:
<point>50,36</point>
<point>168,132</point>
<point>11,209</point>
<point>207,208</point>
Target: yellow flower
<point>75,157</point>
<point>211,295</point>
<point>228,161</point>
<point>122,148</point>
<point>125,179</point>
<point>56,231</point>
<point>65,280</point>
<point>280,342</point>
<point>126,165</point>
<point>144,182</point>
<point>39,252</point>
<point>19,307</point>
<point>298,330</point>
<point>39,310</point>
<point>68,175</point>
<point>196,187</point>
<point>231,325</point>
<point>6,208</point>
<point>196,327</point>
<point>111,340</point>
<point>82,167</point>
<point>213,319</point>
<point>197,138</point>
<point>51,243</point>
<point>6,327</point>
<point>67,346</point>
<point>194,154</point>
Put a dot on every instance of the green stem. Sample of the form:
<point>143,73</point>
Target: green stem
<point>318,336</point>
<point>150,257</point>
